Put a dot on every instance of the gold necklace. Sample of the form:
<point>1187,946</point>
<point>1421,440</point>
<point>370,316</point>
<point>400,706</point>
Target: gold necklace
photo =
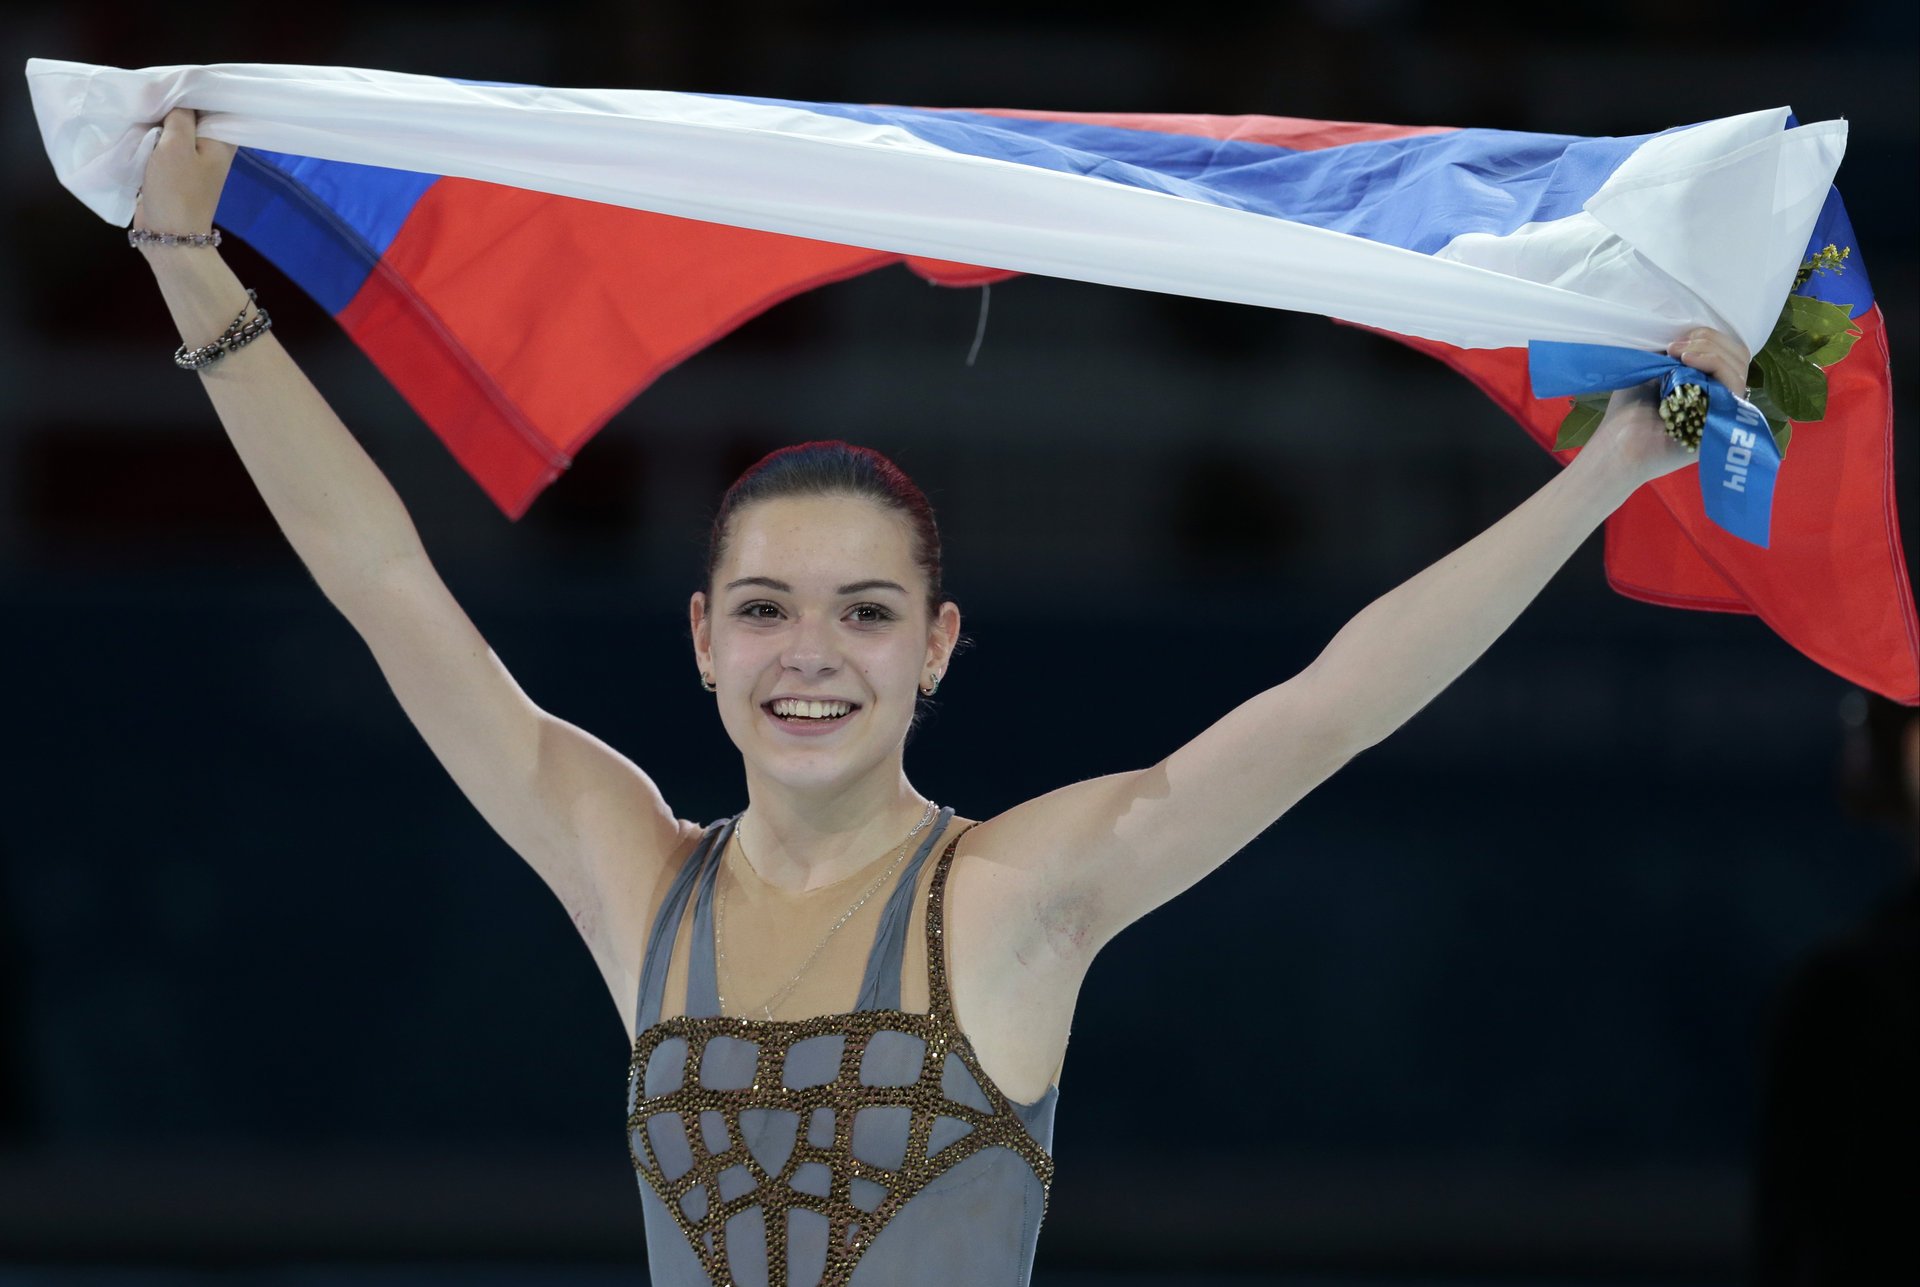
<point>720,908</point>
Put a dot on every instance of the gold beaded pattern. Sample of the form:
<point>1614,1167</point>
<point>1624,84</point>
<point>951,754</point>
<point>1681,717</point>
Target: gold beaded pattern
<point>851,1229</point>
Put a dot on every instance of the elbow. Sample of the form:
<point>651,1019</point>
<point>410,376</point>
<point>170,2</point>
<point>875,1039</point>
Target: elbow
<point>1341,721</point>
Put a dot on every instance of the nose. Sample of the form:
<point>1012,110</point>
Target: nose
<point>811,649</point>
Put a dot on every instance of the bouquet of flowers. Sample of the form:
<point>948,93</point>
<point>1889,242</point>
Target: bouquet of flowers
<point>1786,381</point>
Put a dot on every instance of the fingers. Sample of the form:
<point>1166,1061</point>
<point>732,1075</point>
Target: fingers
<point>180,132</point>
<point>179,127</point>
<point>180,189</point>
<point>1717,354</point>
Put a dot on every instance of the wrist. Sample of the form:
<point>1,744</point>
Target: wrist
<point>1612,474</point>
<point>200,288</point>
<point>189,266</point>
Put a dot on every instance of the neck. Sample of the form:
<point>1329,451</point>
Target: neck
<point>798,844</point>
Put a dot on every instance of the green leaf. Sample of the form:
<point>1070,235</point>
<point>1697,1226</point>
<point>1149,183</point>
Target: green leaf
<point>1816,317</point>
<point>1834,349</point>
<point>1582,419</point>
<point>1781,426</point>
<point>1797,387</point>
<point>1797,343</point>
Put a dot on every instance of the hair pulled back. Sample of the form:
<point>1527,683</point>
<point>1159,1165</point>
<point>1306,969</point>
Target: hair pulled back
<point>830,467</point>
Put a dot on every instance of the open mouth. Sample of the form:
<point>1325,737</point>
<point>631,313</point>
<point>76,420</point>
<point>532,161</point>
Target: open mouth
<point>810,717</point>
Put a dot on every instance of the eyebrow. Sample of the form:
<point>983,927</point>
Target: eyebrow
<point>852,587</point>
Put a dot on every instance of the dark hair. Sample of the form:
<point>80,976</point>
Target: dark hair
<point>831,467</point>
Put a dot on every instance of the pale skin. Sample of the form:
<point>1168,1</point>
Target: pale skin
<point>1036,890</point>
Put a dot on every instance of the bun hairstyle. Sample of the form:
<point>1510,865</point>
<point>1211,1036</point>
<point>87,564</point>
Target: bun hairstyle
<point>832,467</point>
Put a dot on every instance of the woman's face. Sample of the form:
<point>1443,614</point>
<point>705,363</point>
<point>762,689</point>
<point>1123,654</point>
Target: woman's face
<point>819,598</point>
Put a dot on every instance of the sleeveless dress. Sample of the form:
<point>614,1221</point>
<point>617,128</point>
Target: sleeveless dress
<point>865,1149</point>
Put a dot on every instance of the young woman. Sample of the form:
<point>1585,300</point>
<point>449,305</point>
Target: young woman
<point>849,1004</point>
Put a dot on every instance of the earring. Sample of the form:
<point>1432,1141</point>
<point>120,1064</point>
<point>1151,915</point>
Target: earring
<point>934,675</point>
<point>706,682</point>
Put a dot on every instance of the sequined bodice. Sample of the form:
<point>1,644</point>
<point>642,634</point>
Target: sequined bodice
<point>855,1148</point>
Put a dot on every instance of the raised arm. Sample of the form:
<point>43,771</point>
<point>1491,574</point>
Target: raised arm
<point>1405,647</point>
<point>1098,855</point>
<point>590,823</point>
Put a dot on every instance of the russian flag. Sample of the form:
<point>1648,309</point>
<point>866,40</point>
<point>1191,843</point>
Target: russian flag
<point>522,261</point>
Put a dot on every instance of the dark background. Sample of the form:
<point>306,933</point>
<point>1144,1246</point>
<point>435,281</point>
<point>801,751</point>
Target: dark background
<point>1490,1003</point>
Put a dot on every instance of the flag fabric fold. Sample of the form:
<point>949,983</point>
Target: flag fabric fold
<point>520,261</point>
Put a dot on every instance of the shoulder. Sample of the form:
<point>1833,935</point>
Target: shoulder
<point>994,882</point>
<point>692,839</point>
<point>1004,840</point>
<point>971,845</point>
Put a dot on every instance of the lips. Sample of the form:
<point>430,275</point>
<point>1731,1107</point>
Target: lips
<point>809,727</point>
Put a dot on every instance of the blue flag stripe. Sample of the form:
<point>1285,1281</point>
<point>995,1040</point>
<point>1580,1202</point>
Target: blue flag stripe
<point>1417,193</point>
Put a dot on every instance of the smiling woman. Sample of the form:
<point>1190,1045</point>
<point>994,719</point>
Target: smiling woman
<point>851,512</point>
<point>820,632</point>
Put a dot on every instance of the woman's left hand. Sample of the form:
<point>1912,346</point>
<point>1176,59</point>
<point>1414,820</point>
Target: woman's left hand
<point>1632,430</point>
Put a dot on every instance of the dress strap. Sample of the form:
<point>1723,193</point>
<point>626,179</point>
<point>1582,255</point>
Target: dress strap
<point>880,986</point>
<point>939,999</point>
<point>703,971</point>
<point>666,926</point>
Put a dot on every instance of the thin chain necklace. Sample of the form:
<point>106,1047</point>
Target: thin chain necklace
<point>720,908</point>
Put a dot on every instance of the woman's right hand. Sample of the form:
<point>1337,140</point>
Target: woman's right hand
<point>185,174</point>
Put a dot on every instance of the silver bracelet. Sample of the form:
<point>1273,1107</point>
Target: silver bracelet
<point>242,331</point>
<point>139,236</point>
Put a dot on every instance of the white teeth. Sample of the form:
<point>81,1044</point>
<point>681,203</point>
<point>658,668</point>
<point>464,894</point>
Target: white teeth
<point>812,710</point>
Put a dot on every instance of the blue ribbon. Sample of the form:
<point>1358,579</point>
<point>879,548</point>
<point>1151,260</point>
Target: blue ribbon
<point>1738,459</point>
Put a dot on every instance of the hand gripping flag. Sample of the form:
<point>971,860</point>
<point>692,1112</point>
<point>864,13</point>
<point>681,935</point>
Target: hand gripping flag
<point>521,261</point>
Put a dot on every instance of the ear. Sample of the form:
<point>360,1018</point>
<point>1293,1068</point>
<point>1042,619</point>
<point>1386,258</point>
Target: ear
<point>700,626</point>
<point>944,635</point>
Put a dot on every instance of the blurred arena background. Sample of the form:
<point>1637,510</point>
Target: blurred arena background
<point>1492,1005</point>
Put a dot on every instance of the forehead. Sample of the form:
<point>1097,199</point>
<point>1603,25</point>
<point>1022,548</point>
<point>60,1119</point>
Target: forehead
<point>820,538</point>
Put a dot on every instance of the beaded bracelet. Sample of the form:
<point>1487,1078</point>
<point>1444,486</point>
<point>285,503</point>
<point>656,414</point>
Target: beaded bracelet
<point>139,236</point>
<point>239,333</point>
